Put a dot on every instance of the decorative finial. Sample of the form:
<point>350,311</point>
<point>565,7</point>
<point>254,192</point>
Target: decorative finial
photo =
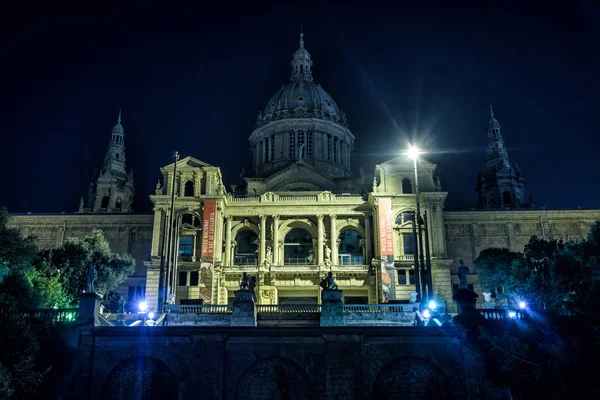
<point>491,110</point>
<point>301,37</point>
<point>176,156</point>
<point>119,119</point>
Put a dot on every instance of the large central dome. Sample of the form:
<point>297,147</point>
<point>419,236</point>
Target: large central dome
<point>301,124</point>
<point>301,98</point>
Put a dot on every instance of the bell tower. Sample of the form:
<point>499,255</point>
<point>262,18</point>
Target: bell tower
<point>113,188</point>
<point>499,185</point>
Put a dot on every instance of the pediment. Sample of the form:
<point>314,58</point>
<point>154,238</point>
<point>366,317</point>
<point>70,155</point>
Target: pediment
<point>299,177</point>
<point>187,162</point>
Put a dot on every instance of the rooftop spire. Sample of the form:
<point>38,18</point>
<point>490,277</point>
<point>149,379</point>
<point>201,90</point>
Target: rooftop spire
<point>491,110</point>
<point>119,119</point>
<point>301,62</point>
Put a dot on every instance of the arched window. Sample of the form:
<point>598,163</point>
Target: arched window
<point>246,249</point>
<point>105,201</point>
<point>507,197</point>
<point>406,186</point>
<point>118,204</point>
<point>189,189</point>
<point>404,217</point>
<point>298,247</point>
<point>187,219</point>
<point>117,156</point>
<point>350,250</point>
<point>301,68</point>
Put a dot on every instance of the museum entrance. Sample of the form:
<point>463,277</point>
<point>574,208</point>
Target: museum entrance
<point>298,247</point>
<point>246,248</point>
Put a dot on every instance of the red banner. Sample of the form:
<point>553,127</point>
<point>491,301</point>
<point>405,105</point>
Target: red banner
<point>208,230</point>
<point>386,233</point>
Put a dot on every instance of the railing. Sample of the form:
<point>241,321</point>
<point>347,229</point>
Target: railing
<point>287,308</point>
<point>406,257</point>
<point>499,314</point>
<point>199,308</point>
<point>297,198</point>
<point>64,315</point>
<point>296,261</point>
<point>349,259</point>
<point>187,258</point>
<point>238,260</point>
<point>374,308</point>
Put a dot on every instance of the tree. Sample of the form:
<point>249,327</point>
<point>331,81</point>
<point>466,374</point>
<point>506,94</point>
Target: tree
<point>73,260</point>
<point>16,252</point>
<point>493,267</point>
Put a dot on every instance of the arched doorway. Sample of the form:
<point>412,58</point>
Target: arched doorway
<point>350,249</point>
<point>406,186</point>
<point>105,201</point>
<point>143,378</point>
<point>189,189</point>
<point>411,378</point>
<point>274,378</point>
<point>507,198</point>
<point>246,248</point>
<point>298,247</point>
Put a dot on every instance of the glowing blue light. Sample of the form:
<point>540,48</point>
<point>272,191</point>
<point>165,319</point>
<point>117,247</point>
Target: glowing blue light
<point>151,315</point>
<point>426,314</point>
<point>143,306</point>
<point>432,305</point>
<point>512,314</point>
<point>522,305</point>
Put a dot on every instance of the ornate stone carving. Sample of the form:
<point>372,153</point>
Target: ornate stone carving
<point>326,196</point>
<point>456,230</point>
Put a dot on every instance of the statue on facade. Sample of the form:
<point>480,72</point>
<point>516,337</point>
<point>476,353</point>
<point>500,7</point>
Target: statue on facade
<point>81,204</point>
<point>268,255</point>
<point>327,253</point>
<point>252,283</point>
<point>158,189</point>
<point>245,282</point>
<point>374,184</point>
<point>301,152</point>
<point>463,273</point>
<point>328,283</point>
<point>92,274</point>
<point>310,257</point>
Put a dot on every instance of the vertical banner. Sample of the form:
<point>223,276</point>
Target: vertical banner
<point>386,248</point>
<point>208,231</point>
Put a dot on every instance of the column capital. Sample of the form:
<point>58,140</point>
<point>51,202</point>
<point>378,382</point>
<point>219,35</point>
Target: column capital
<point>368,214</point>
<point>320,217</point>
<point>228,218</point>
<point>262,217</point>
<point>275,217</point>
<point>333,216</point>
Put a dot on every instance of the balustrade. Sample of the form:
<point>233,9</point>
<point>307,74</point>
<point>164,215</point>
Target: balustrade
<point>288,308</point>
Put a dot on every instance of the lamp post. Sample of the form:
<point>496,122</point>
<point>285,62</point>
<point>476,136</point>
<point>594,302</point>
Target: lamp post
<point>414,153</point>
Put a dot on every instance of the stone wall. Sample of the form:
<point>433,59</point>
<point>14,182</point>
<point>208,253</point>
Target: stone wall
<point>470,232</point>
<point>126,233</point>
<point>266,363</point>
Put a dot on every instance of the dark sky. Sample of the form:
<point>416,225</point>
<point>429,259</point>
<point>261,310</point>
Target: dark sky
<point>194,80</point>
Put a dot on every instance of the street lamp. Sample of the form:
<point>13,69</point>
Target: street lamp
<point>414,153</point>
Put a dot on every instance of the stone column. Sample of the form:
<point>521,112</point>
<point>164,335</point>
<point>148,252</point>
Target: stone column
<point>320,239</point>
<point>263,238</point>
<point>276,239</point>
<point>156,232</point>
<point>368,253</point>
<point>333,240</point>
<point>227,258</point>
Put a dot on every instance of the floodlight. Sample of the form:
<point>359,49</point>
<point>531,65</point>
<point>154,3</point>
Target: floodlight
<point>512,314</point>
<point>151,315</point>
<point>413,152</point>
<point>432,305</point>
<point>522,305</point>
<point>143,306</point>
<point>426,314</point>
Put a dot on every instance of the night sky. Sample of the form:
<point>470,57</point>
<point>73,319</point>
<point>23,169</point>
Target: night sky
<point>193,80</point>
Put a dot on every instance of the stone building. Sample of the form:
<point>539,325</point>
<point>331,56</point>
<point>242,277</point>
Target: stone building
<point>301,213</point>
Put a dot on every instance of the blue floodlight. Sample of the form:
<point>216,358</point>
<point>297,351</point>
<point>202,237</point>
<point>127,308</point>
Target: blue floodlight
<point>426,314</point>
<point>151,315</point>
<point>432,305</point>
<point>143,306</point>
<point>522,305</point>
<point>512,314</point>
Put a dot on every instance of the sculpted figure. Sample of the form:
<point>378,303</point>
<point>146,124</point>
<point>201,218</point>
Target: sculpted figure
<point>331,285</point>
<point>327,253</point>
<point>463,273</point>
<point>244,283</point>
<point>269,254</point>
<point>252,283</point>
<point>92,274</point>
